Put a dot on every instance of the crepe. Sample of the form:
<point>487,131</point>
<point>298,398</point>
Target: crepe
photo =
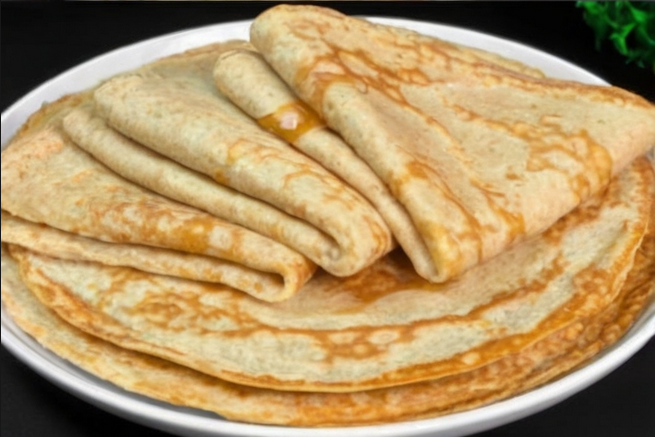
<point>47,179</point>
<point>205,132</point>
<point>168,178</point>
<point>161,379</point>
<point>480,154</point>
<point>277,109</point>
<point>511,375</point>
<point>155,306</point>
<point>50,241</point>
<point>383,327</point>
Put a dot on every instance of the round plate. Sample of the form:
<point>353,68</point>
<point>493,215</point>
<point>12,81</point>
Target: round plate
<point>191,422</point>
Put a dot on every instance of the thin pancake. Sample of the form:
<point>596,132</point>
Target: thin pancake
<point>190,70</point>
<point>160,379</point>
<point>481,155</point>
<point>382,327</point>
<point>168,178</point>
<point>277,109</point>
<point>53,242</point>
<point>47,179</point>
<point>207,133</point>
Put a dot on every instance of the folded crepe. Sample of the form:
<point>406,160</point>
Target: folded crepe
<point>47,179</point>
<point>162,175</point>
<point>383,327</point>
<point>481,154</point>
<point>65,245</point>
<point>199,128</point>
<point>277,109</point>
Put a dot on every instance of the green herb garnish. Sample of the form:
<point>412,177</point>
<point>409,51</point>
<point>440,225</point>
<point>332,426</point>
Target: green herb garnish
<point>630,26</point>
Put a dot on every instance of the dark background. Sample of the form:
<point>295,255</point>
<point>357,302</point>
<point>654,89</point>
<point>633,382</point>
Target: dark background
<point>42,39</point>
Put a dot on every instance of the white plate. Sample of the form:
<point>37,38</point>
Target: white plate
<point>189,422</point>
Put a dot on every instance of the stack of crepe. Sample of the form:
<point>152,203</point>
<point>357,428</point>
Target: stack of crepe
<point>336,223</point>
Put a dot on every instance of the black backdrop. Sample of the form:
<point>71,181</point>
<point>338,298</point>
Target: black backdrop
<point>42,39</point>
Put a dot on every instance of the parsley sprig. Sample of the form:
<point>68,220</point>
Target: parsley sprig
<point>630,26</point>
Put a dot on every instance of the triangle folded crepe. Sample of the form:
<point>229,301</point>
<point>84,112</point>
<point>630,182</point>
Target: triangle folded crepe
<point>277,109</point>
<point>145,167</point>
<point>47,179</point>
<point>164,176</point>
<point>58,199</point>
<point>180,114</point>
<point>481,153</point>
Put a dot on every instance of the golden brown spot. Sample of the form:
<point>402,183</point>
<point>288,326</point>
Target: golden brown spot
<point>513,176</point>
<point>514,221</point>
<point>470,358</point>
<point>586,164</point>
<point>291,121</point>
<point>154,223</point>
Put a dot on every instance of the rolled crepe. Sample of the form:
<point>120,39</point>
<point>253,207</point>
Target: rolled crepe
<point>47,179</point>
<point>480,154</point>
<point>277,109</point>
<point>205,132</point>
